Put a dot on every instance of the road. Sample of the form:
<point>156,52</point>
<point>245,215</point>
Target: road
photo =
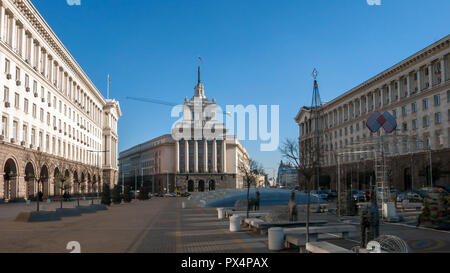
<point>158,225</point>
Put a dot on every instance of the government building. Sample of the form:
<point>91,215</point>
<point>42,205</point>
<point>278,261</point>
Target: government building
<point>54,121</point>
<point>192,158</point>
<point>416,92</point>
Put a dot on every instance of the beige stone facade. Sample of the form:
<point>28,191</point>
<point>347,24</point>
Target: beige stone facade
<point>416,92</point>
<point>49,107</point>
<point>190,159</point>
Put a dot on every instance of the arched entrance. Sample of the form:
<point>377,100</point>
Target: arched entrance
<point>56,188</point>
<point>212,185</point>
<point>89,183</point>
<point>201,186</point>
<point>94,183</point>
<point>83,184</point>
<point>67,176</point>
<point>44,180</point>
<point>75,183</point>
<point>30,181</point>
<point>10,180</point>
<point>407,179</point>
<point>190,186</point>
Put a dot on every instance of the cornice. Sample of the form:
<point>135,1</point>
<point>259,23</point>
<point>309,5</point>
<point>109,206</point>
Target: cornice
<point>34,19</point>
<point>400,67</point>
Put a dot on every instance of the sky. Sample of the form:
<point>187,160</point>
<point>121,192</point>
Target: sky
<point>254,52</point>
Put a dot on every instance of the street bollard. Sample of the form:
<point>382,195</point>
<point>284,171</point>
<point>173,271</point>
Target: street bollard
<point>235,223</point>
<point>183,205</point>
<point>28,203</point>
<point>276,238</point>
<point>220,213</point>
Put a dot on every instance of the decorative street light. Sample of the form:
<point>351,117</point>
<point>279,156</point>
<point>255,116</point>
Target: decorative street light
<point>98,168</point>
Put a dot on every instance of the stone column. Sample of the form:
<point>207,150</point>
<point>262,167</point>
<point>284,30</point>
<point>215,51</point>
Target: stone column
<point>205,155</point>
<point>13,33</point>
<point>360,106</point>
<point>215,156</point>
<point>382,96</point>
<point>443,75</point>
<point>38,56</point>
<point>195,156</point>
<point>430,75</point>
<point>374,98</point>
<point>367,103</point>
<point>419,81</point>
<point>389,86</point>
<point>31,50</point>
<point>177,156</point>
<point>408,86</point>
<point>224,155</point>
<point>398,88</point>
<point>24,42</point>
<point>2,33</point>
<point>186,155</point>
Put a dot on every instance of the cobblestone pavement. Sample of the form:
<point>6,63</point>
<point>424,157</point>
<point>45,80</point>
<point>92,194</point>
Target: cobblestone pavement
<point>154,226</point>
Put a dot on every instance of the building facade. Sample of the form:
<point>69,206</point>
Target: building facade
<point>197,156</point>
<point>416,92</point>
<point>287,176</point>
<point>53,119</point>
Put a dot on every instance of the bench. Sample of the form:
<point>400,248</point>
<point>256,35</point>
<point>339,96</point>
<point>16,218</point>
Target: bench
<point>262,226</point>
<point>296,236</point>
<point>325,247</point>
<point>243,214</point>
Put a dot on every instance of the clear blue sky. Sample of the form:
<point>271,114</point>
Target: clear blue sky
<point>254,52</point>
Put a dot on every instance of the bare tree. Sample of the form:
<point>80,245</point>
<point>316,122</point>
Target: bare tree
<point>63,183</point>
<point>40,160</point>
<point>302,158</point>
<point>79,186</point>
<point>250,171</point>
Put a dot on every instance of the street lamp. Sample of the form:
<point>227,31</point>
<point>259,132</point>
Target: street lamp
<point>98,167</point>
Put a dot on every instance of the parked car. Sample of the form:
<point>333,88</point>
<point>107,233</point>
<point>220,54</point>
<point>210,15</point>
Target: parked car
<point>446,188</point>
<point>358,196</point>
<point>319,194</point>
<point>331,193</point>
<point>366,194</point>
<point>185,194</point>
<point>411,196</point>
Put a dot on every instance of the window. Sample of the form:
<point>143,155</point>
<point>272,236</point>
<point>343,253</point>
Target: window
<point>24,133</point>
<point>42,92</point>
<point>448,96</point>
<point>34,110</point>
<point>7,66</point>
<point>16,100</point>
<point>425,104</point>
<point>394,113</point>
<point>426,121</point>
<point>404,110</point>
<point>41,115</point>
<point>33,137</point>
<point>27,80</point>
<point>48,118</point>
<point>35,87</point>
<point>17,74</point>
<point>414,107</point>
<point>4,126</point>
<point>14,136</point>
<point>437,100</point>
<point>6,94</point>
<point>437,118</point>
<point>405,126</point>
<point>414,124</point>
<point>25,106</point>
<point>427,142</point>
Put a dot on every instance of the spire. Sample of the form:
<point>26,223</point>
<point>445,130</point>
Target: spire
<point>199,88</point>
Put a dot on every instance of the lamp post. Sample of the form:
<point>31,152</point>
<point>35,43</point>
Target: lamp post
<point>167,180</point>
<point>98,167</point>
